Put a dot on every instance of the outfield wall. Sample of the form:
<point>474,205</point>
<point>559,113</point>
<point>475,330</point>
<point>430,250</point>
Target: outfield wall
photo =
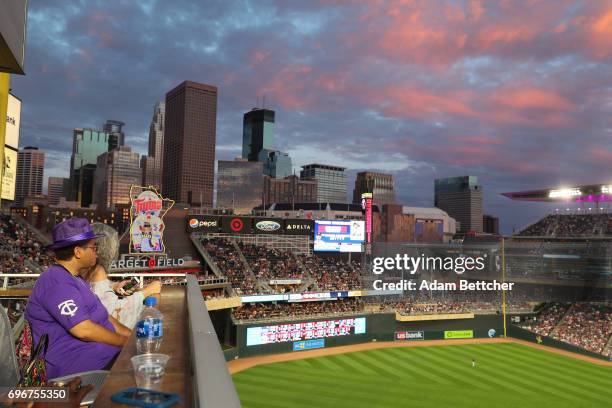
<point>379,327</point>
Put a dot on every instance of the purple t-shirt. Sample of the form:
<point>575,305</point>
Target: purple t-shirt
<point>58,302</point>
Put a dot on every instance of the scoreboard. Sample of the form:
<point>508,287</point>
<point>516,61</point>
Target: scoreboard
<point>339,236</point>
<point>305,331</point>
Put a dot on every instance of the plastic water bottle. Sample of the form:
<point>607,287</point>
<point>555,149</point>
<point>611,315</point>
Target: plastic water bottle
<point>150,328</point>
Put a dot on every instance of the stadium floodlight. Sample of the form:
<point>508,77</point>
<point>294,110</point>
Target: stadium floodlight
<point>564,193</point>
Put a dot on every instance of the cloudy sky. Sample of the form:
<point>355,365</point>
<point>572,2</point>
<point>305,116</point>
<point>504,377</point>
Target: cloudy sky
<point>518,93</point>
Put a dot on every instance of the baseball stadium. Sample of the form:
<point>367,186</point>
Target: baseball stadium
<point>279,310</point>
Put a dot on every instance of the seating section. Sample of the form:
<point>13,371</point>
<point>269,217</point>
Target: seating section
<point>570,225</point>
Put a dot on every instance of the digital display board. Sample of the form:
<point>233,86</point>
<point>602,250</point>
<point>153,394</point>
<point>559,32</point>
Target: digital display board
<point>339,236</point>
<point>304,331</point>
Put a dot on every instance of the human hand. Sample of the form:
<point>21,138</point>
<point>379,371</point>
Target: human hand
<point>118,288</point>
<point>76,393</point>
<point>152,288</point>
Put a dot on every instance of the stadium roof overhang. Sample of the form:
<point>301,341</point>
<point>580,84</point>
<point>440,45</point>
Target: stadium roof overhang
<point>12,36</point>
<point>594,193</point>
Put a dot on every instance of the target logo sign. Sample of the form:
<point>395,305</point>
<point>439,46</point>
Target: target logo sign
<point>236,225</point>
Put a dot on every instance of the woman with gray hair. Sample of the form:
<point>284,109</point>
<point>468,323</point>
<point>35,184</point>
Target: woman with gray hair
<point>125,309</point>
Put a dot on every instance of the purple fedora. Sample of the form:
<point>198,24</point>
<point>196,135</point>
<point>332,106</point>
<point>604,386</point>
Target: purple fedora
<point>72,231</point>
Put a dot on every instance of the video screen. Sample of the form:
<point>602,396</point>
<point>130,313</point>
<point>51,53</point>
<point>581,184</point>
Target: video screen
<point>339,236</point>
<point>305,331</point>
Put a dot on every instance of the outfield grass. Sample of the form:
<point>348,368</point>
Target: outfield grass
<point>506,375</point>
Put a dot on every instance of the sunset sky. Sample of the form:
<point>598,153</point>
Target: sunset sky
<point>518,93</point>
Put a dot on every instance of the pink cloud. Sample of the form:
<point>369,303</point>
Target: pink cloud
<point>441,33</point>
<point>258,57</point>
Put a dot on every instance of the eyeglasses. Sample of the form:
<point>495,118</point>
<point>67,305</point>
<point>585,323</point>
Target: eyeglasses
<point>93,247</point>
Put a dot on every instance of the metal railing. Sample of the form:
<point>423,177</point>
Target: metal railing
<point>7,276</point>
<point>212,384</point>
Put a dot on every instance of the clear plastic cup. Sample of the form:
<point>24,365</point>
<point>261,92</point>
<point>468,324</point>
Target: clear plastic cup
<point>149,370</point>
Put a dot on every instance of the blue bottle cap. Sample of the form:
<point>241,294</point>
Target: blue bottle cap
<point>150,301</point>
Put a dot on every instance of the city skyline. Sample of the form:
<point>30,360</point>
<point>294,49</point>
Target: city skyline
<point>517,96</point>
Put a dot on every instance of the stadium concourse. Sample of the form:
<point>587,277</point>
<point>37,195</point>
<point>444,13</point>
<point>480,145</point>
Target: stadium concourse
<point>545,301</point>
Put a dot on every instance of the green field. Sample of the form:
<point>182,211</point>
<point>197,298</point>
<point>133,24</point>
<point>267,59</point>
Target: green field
<point>506,375</point>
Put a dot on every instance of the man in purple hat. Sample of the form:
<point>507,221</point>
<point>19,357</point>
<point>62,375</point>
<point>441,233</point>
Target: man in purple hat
<point>82,336</point>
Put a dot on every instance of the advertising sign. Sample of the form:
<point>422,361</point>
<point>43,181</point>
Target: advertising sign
<point>13,119</point>
<point>203,223</point>
<point>147,225</point>
<point>9,176</point>
<point>298,227</point>
<point>236,225</point>
<point>366,204</point>
<point>459,334</point>
<point>267,225</point>
<point>410,335</point>
<point>308,344</point>
<point>339,236</point>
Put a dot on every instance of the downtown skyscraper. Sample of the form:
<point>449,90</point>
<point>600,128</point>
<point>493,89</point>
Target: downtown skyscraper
<point>189,144</point>
<point>152,163</point>
<point>462,199</point>
<point>30,170</point>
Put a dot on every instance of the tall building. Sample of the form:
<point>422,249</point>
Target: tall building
<point>490,224</point>
<point>461,198</point>
<point>116,137</point>
<point>257,133</point>
<point>115,173</point>
<point>153,167</point>
<point>147,169</point>
<point>239,185</point>
<point>276,164</point>
<point>289,190</point>
<point>87,145</point>
<point>55,189</point>
<point>381,185</point>
<point>188,174</point>
<point>30,170</point>
<point>331,181</point>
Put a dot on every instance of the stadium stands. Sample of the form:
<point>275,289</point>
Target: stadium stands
<point>269,263</point>
<point>547,319</point>
<point>285,311</point>
<point>587,325</point>
<point>20,249</point>
<point>264,264</point>
<point>333,274</point>
<point>570,225</point>
<point>227,259</point>
<point>584,324</point>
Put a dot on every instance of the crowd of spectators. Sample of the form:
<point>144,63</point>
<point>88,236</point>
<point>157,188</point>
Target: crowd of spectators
<point>333,274</point>
<point>586,325</point>
<point>228,261</point>
<point>268,263</point>
<point>214,294</point>
<point>546,320</point>
<point>20,249</point>
<point>14,309</point>
<point>263,311</point>
<point>328,274</point>
<point>570,225</point>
